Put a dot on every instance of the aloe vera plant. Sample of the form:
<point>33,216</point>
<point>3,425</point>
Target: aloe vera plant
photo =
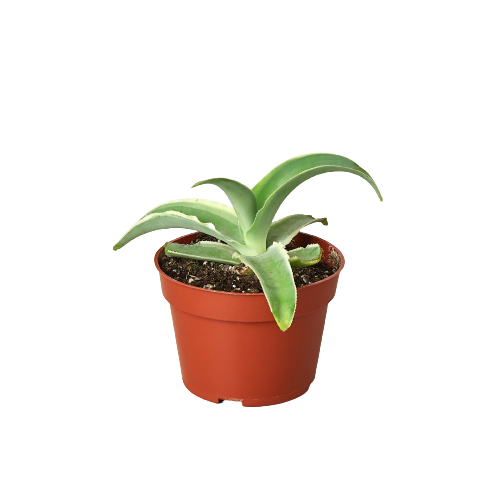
<point>247,228</point>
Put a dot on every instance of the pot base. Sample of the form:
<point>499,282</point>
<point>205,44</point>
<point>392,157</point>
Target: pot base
<point>250,402</point>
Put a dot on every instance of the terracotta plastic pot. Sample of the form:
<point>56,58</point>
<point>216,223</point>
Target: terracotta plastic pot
<point>230,347</point>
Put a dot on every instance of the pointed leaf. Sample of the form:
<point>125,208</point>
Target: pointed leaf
<point>285,229</point>
<point>258,232</point>
<point>241,197</point>
<point>290,168</point>
<point>208,212</point>
<point>275,275</point>
<point>204,250</point>
<point>170,219</point>
<point>305,257</point>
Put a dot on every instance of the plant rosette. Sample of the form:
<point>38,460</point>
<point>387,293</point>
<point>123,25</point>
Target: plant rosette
<point>247,228</point>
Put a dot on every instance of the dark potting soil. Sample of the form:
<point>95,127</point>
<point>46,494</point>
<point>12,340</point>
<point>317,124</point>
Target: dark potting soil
<point>226,278</point>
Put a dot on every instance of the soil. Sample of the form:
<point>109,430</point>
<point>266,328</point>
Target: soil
<point>227,278</point>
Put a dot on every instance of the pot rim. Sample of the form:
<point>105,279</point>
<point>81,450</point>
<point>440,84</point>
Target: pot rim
<point>336,273</point>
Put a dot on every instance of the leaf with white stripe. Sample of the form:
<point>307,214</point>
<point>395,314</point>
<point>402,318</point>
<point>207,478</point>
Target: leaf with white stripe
<point>276,277</point>
<point>171,219</point>
<point>241,197</point>
<point>204,250</point>
<point>285,229</point>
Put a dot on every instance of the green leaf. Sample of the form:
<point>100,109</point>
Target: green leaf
<point>275,275</point>
<point>285,229</point>
<point>241,197</point>
<point>221,216</point>
<point>206,216</point>
<point>305,257</point>
<point>290,168</point>
<point>170,219</point>
<point>272,190</point>
<point>204,250</point>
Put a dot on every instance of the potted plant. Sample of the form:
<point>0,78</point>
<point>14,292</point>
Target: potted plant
<point>257,348</point>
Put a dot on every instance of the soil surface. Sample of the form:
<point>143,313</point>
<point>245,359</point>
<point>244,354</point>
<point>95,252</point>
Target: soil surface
<point>227,278</point>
